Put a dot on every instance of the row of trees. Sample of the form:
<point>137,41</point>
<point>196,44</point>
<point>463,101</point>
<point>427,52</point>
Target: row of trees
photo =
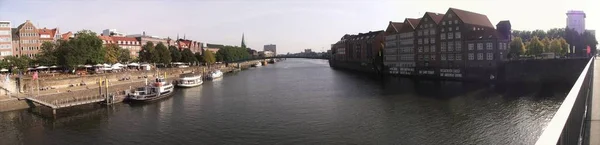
<point>539,41</point>
<point>536,46</point>
<point>232,53</point>
<point>159,53</point>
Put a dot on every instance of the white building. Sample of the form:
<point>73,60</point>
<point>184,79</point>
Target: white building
<point>576,20</point>
<point>5,39</point>
<point>112,32</point>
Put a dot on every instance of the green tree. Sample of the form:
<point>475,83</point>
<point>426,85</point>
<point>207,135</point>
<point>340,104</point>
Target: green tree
<point>124,55</point>
<point>209,57</point>
<point>20,63</point>
<point>546,43</point>
<point>112,53</point>
<point>175,54</point>
<point>149,53</point>
<point>188,56</point>
<point>555,46</point>
<point>517,47</point>
<point>85,48</point>
<point>199,57</point>
<point>232,53</point>
<point>47,55</point>
<point>564,45</point>
<point>163,53</point>
<point>535,46</point>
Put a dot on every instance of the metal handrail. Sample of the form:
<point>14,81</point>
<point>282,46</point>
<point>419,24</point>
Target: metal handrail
<point>552,133</point>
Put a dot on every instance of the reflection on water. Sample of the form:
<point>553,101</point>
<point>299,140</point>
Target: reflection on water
<point>305,102</point>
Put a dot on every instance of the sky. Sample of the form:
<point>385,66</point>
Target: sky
<point>293,25</point>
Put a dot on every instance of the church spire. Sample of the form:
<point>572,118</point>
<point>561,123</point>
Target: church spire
<point>243,43</point>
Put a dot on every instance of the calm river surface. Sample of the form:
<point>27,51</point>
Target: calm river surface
<point>301,101</point>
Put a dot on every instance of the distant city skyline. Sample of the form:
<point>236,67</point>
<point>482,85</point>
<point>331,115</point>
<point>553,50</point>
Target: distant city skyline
<point>292,26</point>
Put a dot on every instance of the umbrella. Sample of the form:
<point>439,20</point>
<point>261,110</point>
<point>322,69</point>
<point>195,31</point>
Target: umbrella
<point>145,65</point>
<point>30,68</point>
<point>87,66</point>
<point>178,63</point>
<point>54,66</point>
<point>106,65</point>
<point>134,64</point>
<point>99,65</point>
<point>42,67</point>
<point>106,68</point>
<point>115,67</point>
<point>118,64</point>
<point>3,70</point>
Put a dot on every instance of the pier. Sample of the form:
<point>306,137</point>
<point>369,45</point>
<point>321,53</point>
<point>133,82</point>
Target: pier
<point>76,101</point>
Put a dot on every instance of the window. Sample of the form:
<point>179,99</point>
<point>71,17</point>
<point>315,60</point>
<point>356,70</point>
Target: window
<point>426,33</point>
<point>430,25</point>
<point>433,57</point>
<point>457,28</point>
<point>450,23</point>
<point>479,46</point>
<point>490,56</point>
<point>479,56</point>
<point>426,57</point>
<point>474,29</point>
<point>457,35</point>
<point>450,29</point>
<point>442,36</point>
<point>458,46</point>
<point>432,31</point>
<point>426,41</point>
<point>450,46</point>
<point>450,36</point>
<point>426,49</point>
<point>443,47</point>
<point>455,21</point>
<point>450,56</point>
<point>420,49</point>
<point>443,23</point>
<point>432,41</point>
<point>443,56</point>
<point>420,41</point>
<point>420,32</point>
<point>432,48</point>
<point>488,46</point>
<point>458,57</point>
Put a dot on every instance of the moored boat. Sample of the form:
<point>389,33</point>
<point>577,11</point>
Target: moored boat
<point>216,74</point>
<point>257,64</point>
<point>153,91</point>
<point>189,80</point>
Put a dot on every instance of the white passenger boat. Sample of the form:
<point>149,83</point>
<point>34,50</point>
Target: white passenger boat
<point>257,64</point>
<point>189,80</point>
<point>153,91</point>
<point>216,74</point>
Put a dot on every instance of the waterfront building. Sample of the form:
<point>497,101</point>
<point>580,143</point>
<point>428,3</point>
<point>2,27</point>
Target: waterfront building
<point>5,39</point>
<point>426,43</point>
<point>270,47</point>
<point>26,40</point>
<point>143,39</point>
<point>391,49</point>
<point>359,52</point>
<point>576,20</point>
<point>406,53</point>
<point>194,46</point>
<point>132,44</point>
<point>308,51</point>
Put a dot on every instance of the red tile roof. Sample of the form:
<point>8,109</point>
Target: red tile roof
<point>437,17</point>
<point>67,35</point>
<point>51,32</point>
<point>473,18</point>
<point>394,27</point>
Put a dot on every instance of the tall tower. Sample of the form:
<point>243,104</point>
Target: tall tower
<point>576,20</point>
<point>243,43</point>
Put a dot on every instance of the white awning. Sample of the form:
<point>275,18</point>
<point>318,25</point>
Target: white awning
<point>42,67</point>
<point>133,64</point>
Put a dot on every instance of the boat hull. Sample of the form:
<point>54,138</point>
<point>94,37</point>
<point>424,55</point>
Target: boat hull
<point>189,85</point>
<point>163,95</point>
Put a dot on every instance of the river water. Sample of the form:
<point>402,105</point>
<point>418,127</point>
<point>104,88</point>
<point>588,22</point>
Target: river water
<point>301,101</point>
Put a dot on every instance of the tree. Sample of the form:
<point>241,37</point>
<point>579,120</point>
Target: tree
<point>124,55</point>
<point>47,55</point>
<point>517,47</point>
<point>112,53</point>
<point>85,48</point>
<point>232,53</point>
<point>564,45</point>
<point>590,40</point>
<point>148,53</point>
<point>535,46</point>
<point>199,56</point>
<point>188,56</point>
<point>175,54</point>
<point>209,57</point>
<point>546,43</point>
<point>555,46</point>
<point>20,63</point>
<point>163,53</point>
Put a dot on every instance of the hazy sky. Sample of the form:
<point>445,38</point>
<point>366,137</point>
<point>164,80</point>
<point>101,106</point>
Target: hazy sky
<point>293,25</point>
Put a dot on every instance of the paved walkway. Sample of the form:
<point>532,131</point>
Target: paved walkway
<point>595,112</point>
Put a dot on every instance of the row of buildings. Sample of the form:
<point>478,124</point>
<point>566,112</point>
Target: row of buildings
<point>455,44</point>
<point>26,40</point>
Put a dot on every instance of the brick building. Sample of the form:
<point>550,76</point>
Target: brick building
<point>194,46</point>
<point>427,44</point>
<point>26,40</point>
<point>360,52</point>
<point>132,44</point>
<point>49,35</point>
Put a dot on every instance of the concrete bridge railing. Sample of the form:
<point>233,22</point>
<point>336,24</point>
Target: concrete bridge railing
<point>568,125</point>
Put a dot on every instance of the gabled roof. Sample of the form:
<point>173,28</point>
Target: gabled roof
<point>437,17</point>
<point>67,35</point>
<point>413,22</point>
<point>45,31</point>
<point>394,27</point>
<point>472,18</point>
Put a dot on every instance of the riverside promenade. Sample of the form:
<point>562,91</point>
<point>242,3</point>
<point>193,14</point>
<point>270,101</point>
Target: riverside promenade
<point>594,136</point>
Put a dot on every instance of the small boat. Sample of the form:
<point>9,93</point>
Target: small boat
<point>216,74</point>
<point>189,80</point>
<point>257,64</point>
<point>153,91</point>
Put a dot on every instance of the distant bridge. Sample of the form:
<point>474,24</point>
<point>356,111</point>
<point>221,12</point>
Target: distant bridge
<point>275,57</point>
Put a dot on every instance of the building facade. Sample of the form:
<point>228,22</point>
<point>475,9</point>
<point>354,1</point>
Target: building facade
<point>132,44</point>
<point>576,20</point>
<point>28,40</point>
<point>406,52</point>
<point>392,47</point>
<point>427,44</point>
<point>270,47</point>
<point>49,35</point>
<point>112,32</point>
<point>194,46</point>
<point>359,52</point>
<point>5,39</point>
